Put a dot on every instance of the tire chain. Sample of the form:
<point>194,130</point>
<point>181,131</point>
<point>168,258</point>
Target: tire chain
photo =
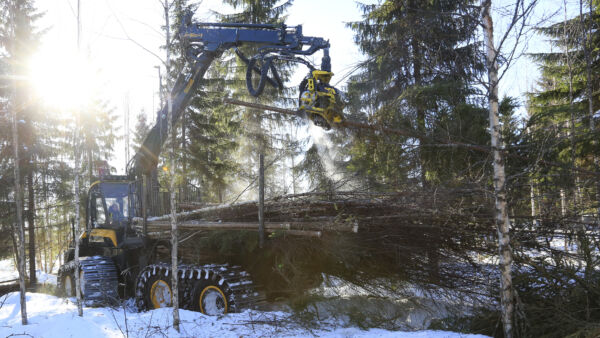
<point>235,282</point>
<point>101,279</point>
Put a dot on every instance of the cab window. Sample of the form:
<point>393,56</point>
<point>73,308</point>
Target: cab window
<point>116,198</point>
<point>117,207</point>
<point>100,215</point>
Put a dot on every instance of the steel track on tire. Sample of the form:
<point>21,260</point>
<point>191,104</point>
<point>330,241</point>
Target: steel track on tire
<point>101,279</point>
<point>235,282</point>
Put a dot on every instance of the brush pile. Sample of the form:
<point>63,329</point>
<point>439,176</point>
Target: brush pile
<point>412,233</point>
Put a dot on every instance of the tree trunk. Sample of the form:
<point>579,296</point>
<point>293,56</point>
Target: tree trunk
<point>76,186</point>
<point>31,223</point>
<point>261,200</point>
<point>535,221</point>
<point>571,124</point>
<point>172,171</point>
<point>90,165</point>
<point>502,222</point>
<point>48,254</point>
<point>184,156</point>
<point>20,227</point>
<point>420,111</point>
<point>76,206</point>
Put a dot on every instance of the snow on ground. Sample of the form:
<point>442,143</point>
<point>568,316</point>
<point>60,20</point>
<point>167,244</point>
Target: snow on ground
<point>50,316</point>
<point>8,271</point>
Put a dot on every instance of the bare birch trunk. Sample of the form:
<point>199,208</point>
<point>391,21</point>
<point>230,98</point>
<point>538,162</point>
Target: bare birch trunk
<point>76,143</point>
<point>533,205</point>
<point>502,222</point>
<point>563,203</point>
<point>174,233</point>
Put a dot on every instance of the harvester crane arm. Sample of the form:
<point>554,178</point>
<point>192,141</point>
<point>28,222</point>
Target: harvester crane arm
<point>204,42</point>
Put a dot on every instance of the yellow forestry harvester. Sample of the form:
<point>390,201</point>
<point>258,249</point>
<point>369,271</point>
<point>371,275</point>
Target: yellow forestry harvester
<point>118,261</point>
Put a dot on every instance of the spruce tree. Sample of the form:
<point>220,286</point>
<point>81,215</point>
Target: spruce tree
<point>559,109</point>
<point>420,70</point>
<point>260,132</point>
<point>21,38</point>
<point>142,127</point>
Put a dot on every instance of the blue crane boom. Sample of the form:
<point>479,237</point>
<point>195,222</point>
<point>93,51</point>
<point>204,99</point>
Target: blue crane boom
<point>202,43</point>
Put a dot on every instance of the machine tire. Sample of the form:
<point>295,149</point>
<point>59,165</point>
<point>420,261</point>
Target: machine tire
<point>65,275</point>
<point>68,285</point>
<point>152,296</point>
<point>210,298</point>
<point>196,282</point>
<point>99,280</point>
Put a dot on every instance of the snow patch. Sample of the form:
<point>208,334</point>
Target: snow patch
<point>8,272</point>
<point>50,316</point>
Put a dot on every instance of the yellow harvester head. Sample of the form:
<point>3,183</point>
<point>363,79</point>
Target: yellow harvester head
<point>321,102</point>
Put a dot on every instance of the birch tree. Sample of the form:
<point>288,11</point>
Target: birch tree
<point>502,222</point>
<point>516,28</point>
<point>18,203</point>
<point>77,149</point>
<point>174,237</point>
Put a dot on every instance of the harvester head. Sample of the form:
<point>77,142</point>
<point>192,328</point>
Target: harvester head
<point>321,102</point>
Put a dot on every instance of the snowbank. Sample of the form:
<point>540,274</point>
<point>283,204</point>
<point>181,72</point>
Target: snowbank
<point>50,316</point>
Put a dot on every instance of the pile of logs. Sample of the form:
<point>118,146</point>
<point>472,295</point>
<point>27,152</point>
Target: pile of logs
<point>313,214</point>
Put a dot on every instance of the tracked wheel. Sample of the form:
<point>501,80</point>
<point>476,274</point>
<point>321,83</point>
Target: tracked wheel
<point>66,284</point>
<point>210,298</point>
<point>98,280</point>
<point>153,287</point>
<point>210,289</point>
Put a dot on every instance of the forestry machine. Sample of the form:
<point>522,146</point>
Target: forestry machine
<point>117,260</point>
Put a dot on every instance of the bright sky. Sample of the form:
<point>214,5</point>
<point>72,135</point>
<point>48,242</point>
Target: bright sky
<point>127,74</point>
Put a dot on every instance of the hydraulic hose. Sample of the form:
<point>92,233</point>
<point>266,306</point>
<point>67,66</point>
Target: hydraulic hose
<point>264,76</point>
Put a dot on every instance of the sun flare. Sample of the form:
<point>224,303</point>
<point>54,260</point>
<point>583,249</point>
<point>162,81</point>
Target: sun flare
<point>61,81</point>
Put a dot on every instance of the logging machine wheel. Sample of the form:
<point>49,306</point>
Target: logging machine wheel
<point>98,279</point>
<point>209,298</point>
<point>158,291</point>
<point>66,280</point>
<point>68,285</point>
<point>211,289</point>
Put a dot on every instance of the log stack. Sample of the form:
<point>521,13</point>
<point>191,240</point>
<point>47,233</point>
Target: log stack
<point>313,214</point>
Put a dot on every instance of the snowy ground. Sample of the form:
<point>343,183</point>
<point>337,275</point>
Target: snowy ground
<point>8,271</point>
<point>50,316</point>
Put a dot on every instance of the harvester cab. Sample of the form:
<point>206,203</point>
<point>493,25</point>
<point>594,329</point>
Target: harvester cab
<point>109,210</point>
